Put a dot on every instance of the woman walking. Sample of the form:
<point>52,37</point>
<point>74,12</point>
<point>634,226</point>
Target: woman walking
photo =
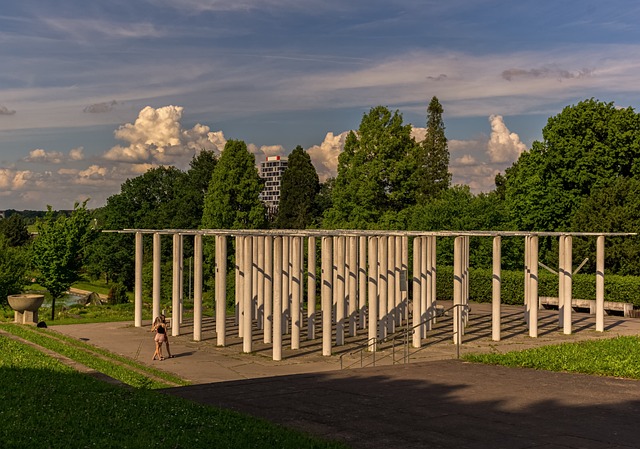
<point>160,329</point>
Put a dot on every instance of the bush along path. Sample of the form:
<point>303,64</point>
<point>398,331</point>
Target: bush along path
<point>114,366</point>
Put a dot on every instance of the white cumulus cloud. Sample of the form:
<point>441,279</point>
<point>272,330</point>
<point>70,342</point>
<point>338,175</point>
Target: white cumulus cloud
<point>76,154</point>
<point>11,180</point>
<point>503,146</point>
<point>40,155</point>
<point>476,162</point>
<point>157,136</point>
<point>325,156</point>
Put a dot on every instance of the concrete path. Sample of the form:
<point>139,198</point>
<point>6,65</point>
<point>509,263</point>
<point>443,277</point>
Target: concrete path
<point>435,401</point>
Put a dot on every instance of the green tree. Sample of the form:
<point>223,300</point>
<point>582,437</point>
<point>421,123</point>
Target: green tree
<point>193,189</point>
<point>13,268</point>
<point>232,201</point>
<point>323,200</point>
<point>615,208</point>
<point>375,173</point>
<point>298,190</point>
<point>59,248</point>
<point>161,198</point>
<point>457,209</point>
<point>153,200</point>
<point>14,228</point>
<point>585,147</point>
<point>433,174</point>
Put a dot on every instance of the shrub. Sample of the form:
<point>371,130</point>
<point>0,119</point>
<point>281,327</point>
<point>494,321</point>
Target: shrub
<point>117,294</point>
<point>617,288</point>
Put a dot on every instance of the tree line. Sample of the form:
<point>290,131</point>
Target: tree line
<point>582,176</point>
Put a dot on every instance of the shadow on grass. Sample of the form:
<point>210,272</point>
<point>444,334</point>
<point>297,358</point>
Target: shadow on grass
<point>59,408</point>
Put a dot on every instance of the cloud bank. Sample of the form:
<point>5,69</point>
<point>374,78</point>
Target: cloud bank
<point>157,137</point>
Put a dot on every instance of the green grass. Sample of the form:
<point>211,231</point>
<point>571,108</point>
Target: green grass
<point>47,404</point>
<point>114,365</point>
<point>617,357</point>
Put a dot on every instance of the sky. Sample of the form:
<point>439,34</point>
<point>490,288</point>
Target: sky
<point>93,93</point>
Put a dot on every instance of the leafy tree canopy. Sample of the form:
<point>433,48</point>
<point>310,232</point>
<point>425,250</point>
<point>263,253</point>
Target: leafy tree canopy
<point>14,228</point>
<point>232,201</point>
<point>58,249</point>
<point>13,269</point>
<point>585,147</point>
<point>615,208</point>
<point>375,172</point>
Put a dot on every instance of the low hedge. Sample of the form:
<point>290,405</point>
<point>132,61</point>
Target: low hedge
<point>616,288</point>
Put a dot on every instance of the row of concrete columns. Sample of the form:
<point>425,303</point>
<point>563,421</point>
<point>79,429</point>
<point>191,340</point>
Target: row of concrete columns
<point>363,285</point>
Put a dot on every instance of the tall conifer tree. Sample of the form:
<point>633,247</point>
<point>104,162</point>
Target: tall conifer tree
<point>298,189</point>
<point>433,172</point>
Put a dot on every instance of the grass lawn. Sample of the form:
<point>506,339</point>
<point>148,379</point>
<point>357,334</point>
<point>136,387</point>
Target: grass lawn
<point>617,357</point>
<point>47,404</point>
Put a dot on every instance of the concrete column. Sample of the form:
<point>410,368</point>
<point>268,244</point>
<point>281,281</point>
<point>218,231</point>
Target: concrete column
<point>239,244</point>
<point>561,279</point>
<point>335,275</point>
<point>362,281</point>
<point>197,287</point>
<point>268,289</point>
<point>465,310</point>
<point>277,298</point>
<point>383,285</point>
<point>391,284</point>
<point>398,269</point>
<point>240,274</point>
<point>417,282</point>
<point>433,288</point>
<point>138,282</point>
<point>340,291</point>
<point>457,289</point>
<point>181,279</point>
<point>373,292</point>
<point>327,293</point>
<point>260,279</point>
<point>311,288</point>
<point>221,289</point>
<point>496,290</point>
<point>353,284</point>
<point>247,335</point>
<point>404,294</point>
<point>286,283</point>
<point>296,292</point>
<point>175,296</point>
<point>157,275</point>
<point>533,286</point>
<point>254,279</point>
<point>600,284</point>
<point>527,278</point>
<point>426,302</point>
<point>568,281</point>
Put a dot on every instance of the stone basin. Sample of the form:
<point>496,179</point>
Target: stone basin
<point>25,306</point>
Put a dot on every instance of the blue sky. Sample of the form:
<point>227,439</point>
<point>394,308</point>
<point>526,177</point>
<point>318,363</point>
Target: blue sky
<point>93,93</point>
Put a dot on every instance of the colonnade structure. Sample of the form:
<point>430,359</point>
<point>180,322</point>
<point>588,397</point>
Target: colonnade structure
<point>364,282</point>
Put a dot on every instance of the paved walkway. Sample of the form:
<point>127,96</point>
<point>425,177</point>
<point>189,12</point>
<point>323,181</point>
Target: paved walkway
<point>435,401</point>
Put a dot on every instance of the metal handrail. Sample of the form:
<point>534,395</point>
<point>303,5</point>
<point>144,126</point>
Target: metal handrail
<point>362,347</point>
<point>411,330</point>
<point>404,333</point>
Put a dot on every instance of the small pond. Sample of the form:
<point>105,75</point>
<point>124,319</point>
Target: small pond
<point>67,300</point>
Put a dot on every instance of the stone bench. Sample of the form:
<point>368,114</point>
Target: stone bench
<point>609,306</point>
